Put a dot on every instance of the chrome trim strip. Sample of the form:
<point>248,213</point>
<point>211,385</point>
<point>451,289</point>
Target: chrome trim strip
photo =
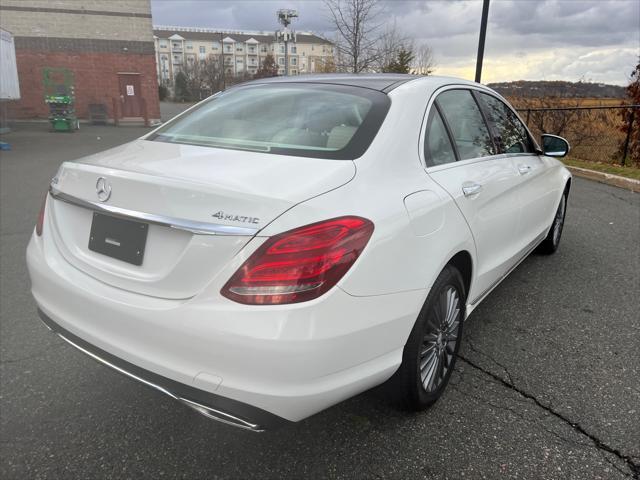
<point>221,416</point>
<point>118,369</point>
<point>199,228</point>
<point>208,412</point>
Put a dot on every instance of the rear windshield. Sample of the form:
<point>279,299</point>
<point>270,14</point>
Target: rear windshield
<point>304,119</point>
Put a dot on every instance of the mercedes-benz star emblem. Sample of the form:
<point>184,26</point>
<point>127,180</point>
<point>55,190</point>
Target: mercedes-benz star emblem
<point>103,189</point>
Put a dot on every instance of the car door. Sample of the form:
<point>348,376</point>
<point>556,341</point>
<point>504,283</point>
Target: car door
<point>461,156</point>
<point>535,186</point>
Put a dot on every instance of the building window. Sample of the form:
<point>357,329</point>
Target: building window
<point>215,46</point>
<point>202,49</point>
<point>252,49</point>
<point>280,61</point>
<point>239,61</point>
<point>228,49</point>
<point>176,46</point>
<point>281,48</point>
<point>294,61</point>
<point>294,72</point>
<point>294,49</point>
<point>163,44</point>
<point>263,48</point>
<point>189,46</point>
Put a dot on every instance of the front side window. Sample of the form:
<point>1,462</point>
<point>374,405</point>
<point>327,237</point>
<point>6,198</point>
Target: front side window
<point>509,134</point>
<point>437,145</point>
<point>310,120</point>
<point>469,131</point>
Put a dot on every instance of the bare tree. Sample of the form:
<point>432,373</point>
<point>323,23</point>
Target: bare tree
<point>325,65</point>
<point>388,45</point>
<point>192,71</point>
<point>423,60</point>
<point>212,73</point>
<point>203,76</point>
<point>357,24</point>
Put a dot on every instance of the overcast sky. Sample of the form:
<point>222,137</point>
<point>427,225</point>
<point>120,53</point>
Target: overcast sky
<point>588,40</point>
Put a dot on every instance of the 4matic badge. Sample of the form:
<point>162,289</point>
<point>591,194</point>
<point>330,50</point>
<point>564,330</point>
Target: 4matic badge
<point>230,217</point>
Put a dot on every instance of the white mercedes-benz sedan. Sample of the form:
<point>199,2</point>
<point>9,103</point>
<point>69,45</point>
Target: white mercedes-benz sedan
<point>291,242</point>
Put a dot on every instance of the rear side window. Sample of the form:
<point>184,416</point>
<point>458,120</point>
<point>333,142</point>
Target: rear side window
<point>469,131</point>
<point>304,119</point>
<point>509,134</point>
<point>437,145</point>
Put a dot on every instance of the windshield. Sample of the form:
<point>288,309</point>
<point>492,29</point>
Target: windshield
<point>304,119</point>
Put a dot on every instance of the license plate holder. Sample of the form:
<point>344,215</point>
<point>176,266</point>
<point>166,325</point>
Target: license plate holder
<point>118,238</point>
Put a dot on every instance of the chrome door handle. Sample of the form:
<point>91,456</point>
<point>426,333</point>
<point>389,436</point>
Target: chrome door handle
<point>524,169</point>
<point>471,188</point>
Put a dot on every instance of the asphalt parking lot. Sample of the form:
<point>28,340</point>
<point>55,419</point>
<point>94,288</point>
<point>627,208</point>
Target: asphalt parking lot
<point>548,385</point>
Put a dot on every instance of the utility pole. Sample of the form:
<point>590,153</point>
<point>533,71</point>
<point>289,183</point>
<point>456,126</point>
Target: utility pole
<point>483,35</point>
<point>224,74</point>
<point>285,17</point>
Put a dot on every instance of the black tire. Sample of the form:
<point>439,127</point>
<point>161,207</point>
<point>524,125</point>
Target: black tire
<point>409,385</point>
<point>550,244</point>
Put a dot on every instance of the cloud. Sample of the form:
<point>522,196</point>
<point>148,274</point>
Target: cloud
<point>526,39</point>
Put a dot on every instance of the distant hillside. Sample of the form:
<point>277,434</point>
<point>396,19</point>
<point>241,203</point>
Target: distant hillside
<point>523,88</point>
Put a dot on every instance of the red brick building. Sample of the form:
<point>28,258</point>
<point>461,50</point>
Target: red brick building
<point>105,49</point>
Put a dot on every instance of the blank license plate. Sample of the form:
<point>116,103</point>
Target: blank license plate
<point>118,238</point>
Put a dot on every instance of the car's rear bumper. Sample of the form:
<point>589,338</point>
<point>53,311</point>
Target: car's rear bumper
<point>289,361</point>
<point>214,406</point>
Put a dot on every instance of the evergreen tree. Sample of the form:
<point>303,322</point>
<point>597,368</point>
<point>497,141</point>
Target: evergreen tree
<point>401,63</point>
<point>268,68</point>
<point>180,88</point>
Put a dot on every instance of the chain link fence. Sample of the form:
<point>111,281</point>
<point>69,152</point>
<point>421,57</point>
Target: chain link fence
<point>595,133</point>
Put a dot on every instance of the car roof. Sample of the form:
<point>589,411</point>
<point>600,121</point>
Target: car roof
<point>383,82</point>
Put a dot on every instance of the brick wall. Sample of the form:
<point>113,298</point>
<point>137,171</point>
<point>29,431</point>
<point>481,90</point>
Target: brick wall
<point>96,80</point>
<point>105,19</point>
<point>95,39</point>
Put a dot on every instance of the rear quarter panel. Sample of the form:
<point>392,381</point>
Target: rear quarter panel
<point>403,254</point>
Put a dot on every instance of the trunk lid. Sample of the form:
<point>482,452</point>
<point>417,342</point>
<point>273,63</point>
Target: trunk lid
<point>192,186</point>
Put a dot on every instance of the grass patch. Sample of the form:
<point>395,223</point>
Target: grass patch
<point>628,172</point>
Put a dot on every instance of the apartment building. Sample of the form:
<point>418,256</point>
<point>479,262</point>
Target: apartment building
<point>103,51</point>
<point>241,51</point>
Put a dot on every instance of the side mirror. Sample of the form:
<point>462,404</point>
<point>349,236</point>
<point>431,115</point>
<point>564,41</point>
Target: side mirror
<point>554,146</point>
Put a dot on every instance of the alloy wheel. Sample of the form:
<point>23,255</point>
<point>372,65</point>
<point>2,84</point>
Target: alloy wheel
<point>440,339</point>
<point>559,220</point>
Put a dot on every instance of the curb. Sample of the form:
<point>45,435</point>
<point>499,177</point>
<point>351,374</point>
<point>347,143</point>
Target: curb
<point>607,178</point>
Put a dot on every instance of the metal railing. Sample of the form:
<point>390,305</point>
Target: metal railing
<point>596,133</point>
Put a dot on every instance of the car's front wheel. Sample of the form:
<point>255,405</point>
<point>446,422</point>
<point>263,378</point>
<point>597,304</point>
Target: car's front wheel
<point>430,353</point>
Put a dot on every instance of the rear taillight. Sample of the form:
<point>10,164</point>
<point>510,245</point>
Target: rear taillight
<point>300,264</point>
<point>41,216</point>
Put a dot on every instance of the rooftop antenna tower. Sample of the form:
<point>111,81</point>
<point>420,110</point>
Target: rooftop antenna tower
<point>285,17</point>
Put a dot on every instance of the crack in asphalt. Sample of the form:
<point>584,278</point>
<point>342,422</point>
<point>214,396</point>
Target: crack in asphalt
<point>599,444</point>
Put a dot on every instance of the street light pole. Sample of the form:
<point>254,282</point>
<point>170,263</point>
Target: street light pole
<point>483,35</point>
<point>285,16</point>
<point>224,75</point>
